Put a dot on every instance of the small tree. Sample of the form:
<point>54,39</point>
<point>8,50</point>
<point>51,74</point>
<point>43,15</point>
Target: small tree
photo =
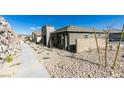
<point>106,43</point>
<point>97,45</point>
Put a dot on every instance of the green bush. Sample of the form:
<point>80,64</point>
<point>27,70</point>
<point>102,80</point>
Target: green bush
<point>9,59</point>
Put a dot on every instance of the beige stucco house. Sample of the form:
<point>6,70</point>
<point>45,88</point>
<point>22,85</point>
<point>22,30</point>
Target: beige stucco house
<point>36,37</point>
<point>74,38</point>
<point>65,38</point>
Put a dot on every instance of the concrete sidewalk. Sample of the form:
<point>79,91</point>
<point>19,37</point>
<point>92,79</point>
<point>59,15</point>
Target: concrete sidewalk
<point>31,68</point>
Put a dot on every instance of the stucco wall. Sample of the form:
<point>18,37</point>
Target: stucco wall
<point>38,39</point>
<point>87,44</point>
<point>46,30</point>
<point>74,36</point>
<point>49,29</point>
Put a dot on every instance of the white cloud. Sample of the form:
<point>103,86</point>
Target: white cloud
<point>39,27</point>
<point>24,33</point>
<point>32,28</point>
<point>35,28</point>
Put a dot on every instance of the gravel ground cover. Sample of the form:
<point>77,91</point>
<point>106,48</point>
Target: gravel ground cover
<point>63,64</point>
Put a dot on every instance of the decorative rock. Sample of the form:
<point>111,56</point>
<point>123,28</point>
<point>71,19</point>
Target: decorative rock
<point>7,38</point>
<point>80,65</point>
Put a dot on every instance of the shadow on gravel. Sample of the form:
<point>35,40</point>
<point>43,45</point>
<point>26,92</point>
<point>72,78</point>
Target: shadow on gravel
<point>71,56</point>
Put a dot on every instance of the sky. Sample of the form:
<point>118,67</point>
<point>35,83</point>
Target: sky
<point>25,24</point>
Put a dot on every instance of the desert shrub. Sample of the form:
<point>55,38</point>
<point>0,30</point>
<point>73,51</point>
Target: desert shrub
<point>9,59</point>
